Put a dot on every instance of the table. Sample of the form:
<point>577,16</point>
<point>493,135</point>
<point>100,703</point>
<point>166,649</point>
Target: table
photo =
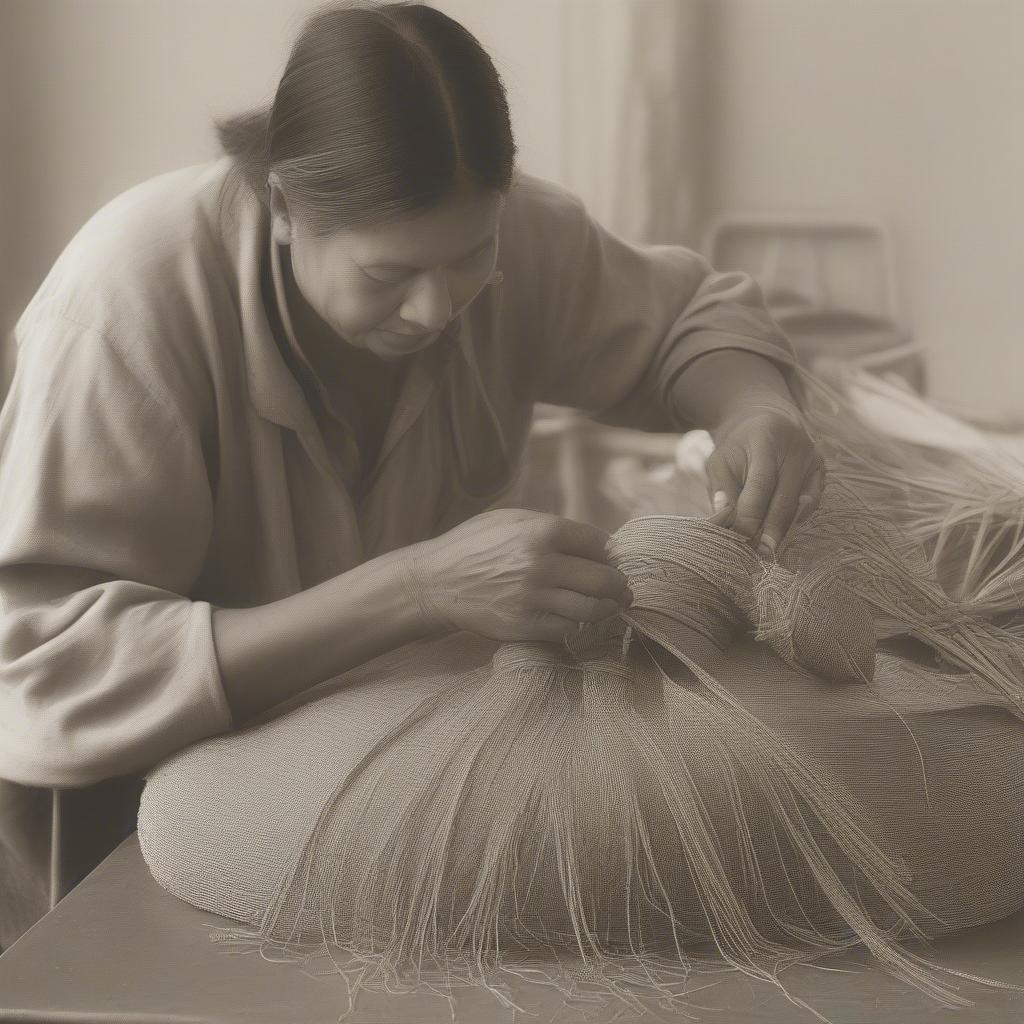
<point>120,950</point>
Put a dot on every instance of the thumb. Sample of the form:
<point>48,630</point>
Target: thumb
<point>723,489</point>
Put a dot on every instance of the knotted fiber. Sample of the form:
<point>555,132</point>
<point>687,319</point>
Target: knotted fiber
<point>736,773</point>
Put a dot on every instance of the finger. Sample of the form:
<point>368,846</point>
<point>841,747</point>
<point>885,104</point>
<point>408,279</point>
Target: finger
<point>590,578</point>
<point>756,495</point>
<point>583,540</point>
<point>551,628</point>
<point>723,518</point>
<point>723,487</point>
<point>725,479</point>
<point>811,492</point>
<point>783,507</point>
<point>578,607</point>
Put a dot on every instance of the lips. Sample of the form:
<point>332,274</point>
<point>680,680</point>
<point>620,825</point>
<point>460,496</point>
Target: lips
<point>411,339</point>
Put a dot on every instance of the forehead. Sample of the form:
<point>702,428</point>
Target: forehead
<point>438,235</point>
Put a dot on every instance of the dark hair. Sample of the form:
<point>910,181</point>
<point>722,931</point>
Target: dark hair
<point>383,111</point>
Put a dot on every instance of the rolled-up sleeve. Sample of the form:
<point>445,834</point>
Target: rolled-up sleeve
<point>622,321</point>
<point>106,666</point>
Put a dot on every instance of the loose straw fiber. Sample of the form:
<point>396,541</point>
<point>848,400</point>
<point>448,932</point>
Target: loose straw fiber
<point>741,772</point>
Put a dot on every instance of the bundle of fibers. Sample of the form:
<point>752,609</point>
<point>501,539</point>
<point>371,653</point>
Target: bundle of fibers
<point>736,773</point>
<point>960,497</point>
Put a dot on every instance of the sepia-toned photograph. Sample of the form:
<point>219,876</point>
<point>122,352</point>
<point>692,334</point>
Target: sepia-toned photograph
<point>511,510</point>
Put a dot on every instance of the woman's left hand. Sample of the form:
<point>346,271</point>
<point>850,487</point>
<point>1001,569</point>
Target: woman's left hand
<point>764,474</point>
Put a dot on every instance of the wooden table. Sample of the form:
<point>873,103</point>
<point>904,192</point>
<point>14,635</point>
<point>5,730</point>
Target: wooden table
<point>120,950</point>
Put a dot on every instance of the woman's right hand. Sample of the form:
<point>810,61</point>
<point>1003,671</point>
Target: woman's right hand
<point>515,575</point>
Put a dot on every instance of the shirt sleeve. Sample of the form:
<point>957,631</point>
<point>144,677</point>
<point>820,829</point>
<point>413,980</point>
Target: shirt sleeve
<point>106,666</point>
<point>622,321</point>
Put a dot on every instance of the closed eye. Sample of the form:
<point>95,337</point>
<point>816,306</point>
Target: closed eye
<point>389,280</point>
<point>485,250</point>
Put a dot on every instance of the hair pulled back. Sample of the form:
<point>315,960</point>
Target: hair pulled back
<point>383,111</point>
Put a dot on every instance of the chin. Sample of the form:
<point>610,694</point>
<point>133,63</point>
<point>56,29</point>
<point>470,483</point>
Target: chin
<point>389,345</point>
<point>387,356</point>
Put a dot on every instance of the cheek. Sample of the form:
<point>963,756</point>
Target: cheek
<point>339,297</point>
<point>365,308</point>
<point>466,287</point>
<point>312,282</point>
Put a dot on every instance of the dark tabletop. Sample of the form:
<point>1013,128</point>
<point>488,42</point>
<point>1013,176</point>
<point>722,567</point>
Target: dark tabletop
<point>120,950</point>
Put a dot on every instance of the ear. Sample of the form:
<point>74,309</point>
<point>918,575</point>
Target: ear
<point>280,219</point>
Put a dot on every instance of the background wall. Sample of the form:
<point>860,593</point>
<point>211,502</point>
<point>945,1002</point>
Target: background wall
<point>905,108</point>
<point>911,109</point>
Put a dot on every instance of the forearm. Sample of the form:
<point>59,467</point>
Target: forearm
<point>268,653</point>
<point>715,386</point>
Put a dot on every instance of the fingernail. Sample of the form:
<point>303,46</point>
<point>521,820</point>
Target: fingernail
<point>629,598</point>
<point>803,506</point>
<point>766,549</point>
<point>720,501</point>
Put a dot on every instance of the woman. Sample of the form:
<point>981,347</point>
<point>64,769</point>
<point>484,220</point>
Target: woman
<point>267,411</point>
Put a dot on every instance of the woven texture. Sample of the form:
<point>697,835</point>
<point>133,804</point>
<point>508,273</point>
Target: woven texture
<point>728,774</point>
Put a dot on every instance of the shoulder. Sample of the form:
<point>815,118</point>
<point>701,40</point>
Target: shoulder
<point>543,229</point>
<point>135,243</point>
<point>536,203</point>
<point>147,273</point>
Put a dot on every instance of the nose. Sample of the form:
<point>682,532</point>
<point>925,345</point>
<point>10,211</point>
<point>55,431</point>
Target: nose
<point>429,302</point>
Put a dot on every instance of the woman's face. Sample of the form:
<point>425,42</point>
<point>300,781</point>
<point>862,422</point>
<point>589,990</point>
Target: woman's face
<point>392,288</point>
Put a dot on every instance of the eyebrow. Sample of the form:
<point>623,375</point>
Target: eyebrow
<point>404,266</point>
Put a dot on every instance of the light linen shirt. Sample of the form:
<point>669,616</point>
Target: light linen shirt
<point>158,458</point>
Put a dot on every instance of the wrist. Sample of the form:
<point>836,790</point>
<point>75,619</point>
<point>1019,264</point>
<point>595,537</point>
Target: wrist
<point>756,400</point>
<point>419,586</point>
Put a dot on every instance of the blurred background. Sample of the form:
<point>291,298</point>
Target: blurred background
<point>863,158</point>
